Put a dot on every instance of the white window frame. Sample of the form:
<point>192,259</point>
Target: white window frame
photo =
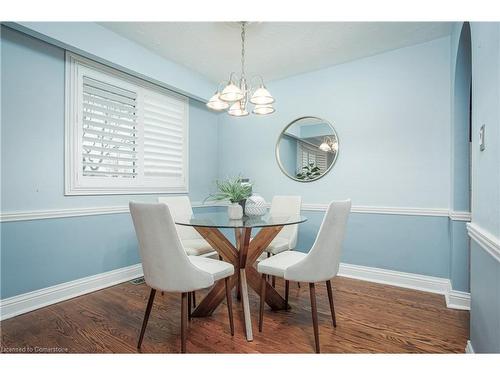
<point>75,182</point>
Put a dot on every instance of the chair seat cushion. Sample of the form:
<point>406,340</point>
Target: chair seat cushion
<point>217,268</point>
<point>196,246</point>
<point>277,264</point>
<point>278,245</point>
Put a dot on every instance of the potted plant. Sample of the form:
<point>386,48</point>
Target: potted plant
<point>309,172</point>
<point>234,191</point>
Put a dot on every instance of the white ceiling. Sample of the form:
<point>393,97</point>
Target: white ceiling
<point>274,49</point>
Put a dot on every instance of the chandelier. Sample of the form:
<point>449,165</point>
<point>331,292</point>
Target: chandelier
<point>328,145</point>
<point>237,92</point>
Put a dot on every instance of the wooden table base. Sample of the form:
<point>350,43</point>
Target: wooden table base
<point>243,258</point>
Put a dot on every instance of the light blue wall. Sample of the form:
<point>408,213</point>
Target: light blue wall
<point>485,301</point>
<point>315,130</point>
<point>40,253</point>
<point>288,154</point>
<point>459,256</point>
<point>485,269</point>
<point>389,241</point>
<point>33,133</point>
<point>103,45</point>
<point>460,123</point>
<point>392,114</point>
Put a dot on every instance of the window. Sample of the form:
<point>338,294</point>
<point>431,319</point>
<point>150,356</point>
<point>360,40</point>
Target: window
<point>123,135</point>
<point>307,154</point>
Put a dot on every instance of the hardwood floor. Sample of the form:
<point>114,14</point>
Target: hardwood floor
<point>371,318</point>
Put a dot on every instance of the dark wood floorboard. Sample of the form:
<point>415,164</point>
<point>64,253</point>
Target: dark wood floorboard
<point>371,318</point>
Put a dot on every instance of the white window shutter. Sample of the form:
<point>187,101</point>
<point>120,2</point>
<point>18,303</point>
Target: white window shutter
<point>123,135</point>
<point>164,136</point>
<point>109,137</point>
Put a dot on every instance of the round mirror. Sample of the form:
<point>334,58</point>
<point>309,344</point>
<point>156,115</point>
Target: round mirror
<point>307,149</point>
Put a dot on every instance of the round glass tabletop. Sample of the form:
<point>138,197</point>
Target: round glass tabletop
<point>221,220</point>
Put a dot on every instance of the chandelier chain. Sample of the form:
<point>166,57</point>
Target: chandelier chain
<point>243,24</point>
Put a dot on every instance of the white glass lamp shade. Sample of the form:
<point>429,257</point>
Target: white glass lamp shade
<point>231,93</point>
<point>261,96</point>
<point>237,110</point>
<point>216,104</point>
<point>325,147</point>
<point>263,109</point>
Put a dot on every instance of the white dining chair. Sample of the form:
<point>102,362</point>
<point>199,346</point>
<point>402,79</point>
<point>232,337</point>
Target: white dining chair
<point>194,244</point>
<point>166,265</point>
<point>192,241</point>
<point>319,265</point>
<point>284,205</point>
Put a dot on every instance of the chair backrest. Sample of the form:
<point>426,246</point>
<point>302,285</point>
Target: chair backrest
<point>322,261</point>
<point>287,205</point>
<point>180,208</point>
<point>164,261</point>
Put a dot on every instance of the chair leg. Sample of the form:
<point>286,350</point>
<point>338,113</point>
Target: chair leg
<point>184,305</point>
<point>274,281</point>
<point>298,284</point>
<point>262,301</point>
<point>287,289</point>
<point>330,298</point>
<point>189,306</point>
<point>194,300</point>
<point>229,301</point>
<point>146,317</point>
<point>238,288</point>
<point>314,311</point>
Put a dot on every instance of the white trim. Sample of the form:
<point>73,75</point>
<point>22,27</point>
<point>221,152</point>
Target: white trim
<point>23,303</point>
<point>412,211</point>
<point>64,212</point>
<point>75,183</point>
<point>87,211</point>
<point>460,215</point>
<point>30,301</point>
<point>454,299</point>
<point>469,349</point>
<point>486,240</point>
<point>402,279</point>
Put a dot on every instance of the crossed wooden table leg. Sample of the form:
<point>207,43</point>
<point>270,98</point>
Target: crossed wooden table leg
<point>243,257</point>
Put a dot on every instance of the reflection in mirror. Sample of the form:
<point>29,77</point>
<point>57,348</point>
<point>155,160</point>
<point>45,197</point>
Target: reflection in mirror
<point>307,149</point>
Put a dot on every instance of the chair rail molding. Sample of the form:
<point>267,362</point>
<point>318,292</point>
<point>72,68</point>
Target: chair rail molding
<point>486,240</point>
<point>106,210</point>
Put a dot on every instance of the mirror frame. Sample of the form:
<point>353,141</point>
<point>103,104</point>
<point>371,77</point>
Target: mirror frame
<point>277,150</point>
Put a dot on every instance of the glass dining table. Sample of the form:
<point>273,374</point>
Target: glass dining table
<point>243,255</point>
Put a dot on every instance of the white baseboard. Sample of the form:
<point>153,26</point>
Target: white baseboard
<point>23,303</point>
<point>468,348</point>
<point>27,302</point>
<point>454,299</point>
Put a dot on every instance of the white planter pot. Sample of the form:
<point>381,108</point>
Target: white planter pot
<point>234,211</point>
